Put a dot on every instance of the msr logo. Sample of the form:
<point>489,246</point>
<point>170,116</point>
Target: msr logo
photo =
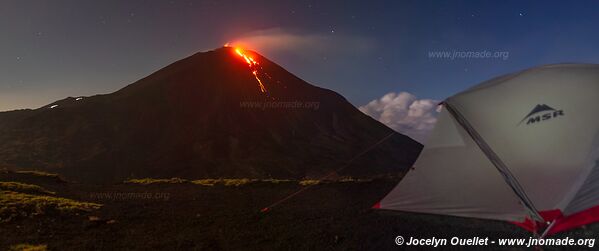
<point>541,113</point>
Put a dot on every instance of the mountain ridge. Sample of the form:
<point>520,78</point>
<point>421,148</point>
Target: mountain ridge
<point>186,120</point>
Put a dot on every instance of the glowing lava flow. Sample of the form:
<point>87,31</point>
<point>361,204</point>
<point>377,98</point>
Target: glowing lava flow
<point>253,67</point>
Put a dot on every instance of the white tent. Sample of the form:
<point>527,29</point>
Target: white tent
<point>522,148</point>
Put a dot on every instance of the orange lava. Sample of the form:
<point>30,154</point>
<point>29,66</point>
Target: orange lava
<point>253,66</point>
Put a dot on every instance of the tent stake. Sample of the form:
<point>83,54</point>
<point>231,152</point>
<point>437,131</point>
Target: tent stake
<point>547,229</point>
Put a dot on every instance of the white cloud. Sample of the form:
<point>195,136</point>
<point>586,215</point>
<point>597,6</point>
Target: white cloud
<point>404,113</point>
<point>276,39</point>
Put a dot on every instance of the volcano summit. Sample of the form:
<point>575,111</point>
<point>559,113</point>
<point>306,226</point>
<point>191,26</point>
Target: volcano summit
<point>205,116</point>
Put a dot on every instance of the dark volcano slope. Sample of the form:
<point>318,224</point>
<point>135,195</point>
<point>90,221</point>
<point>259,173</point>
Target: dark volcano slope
<point>190,119</point>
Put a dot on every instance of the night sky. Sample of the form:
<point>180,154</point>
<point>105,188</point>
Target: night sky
<point>362,49</point>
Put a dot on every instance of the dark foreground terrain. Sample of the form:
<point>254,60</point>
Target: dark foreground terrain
<point>188,216</point>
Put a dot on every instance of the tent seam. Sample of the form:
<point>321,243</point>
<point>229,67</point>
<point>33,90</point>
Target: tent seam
<point>507,175</point>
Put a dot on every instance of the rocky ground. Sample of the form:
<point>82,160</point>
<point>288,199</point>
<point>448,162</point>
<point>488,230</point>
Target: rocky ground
<point>187,216</point>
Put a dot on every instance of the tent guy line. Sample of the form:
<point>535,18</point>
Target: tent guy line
<point>347,164</point>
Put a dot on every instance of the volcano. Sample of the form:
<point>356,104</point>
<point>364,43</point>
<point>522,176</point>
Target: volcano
<point>211,115</point>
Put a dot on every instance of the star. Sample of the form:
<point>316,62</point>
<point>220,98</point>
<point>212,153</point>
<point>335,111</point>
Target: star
<point>521,14</point>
